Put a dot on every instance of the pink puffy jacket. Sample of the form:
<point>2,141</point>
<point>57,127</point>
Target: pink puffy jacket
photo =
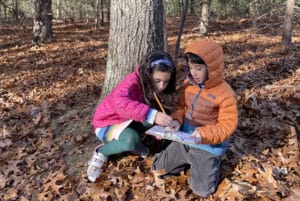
<point>126,101</point>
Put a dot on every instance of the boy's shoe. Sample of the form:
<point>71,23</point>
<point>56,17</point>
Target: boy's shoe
<point>141,150</point>
<point>95,164</point>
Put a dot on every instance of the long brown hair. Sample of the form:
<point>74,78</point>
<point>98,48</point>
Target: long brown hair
<point>158,61</point>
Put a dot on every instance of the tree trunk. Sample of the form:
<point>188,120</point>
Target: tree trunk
<point>16,10</point>
<point>135,29</point>
<point>286,39</point>
<point>99,13</point>
<point>86,11</point>
<point>165,33</point>
<point>58,9</point>
<point>97,16</point>
<point>5,11</point>
<point>42,24</point>
<point>81,11</point>
<point>2,14</point>
<point>205,11</point>
<point>191,7</point>
<point>182,21</point>
<point>107,10</point>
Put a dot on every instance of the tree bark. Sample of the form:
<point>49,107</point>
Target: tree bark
<point>286,39</point>
<point>204,21</point>
<point>107,2</point>
<point>99,13</point>
<point>58,9</point>
<point>5,11</point>
<point>86,11</point>
<point>42,24</point>
<point>191,7</point>
<point>136,27</point>
<point>16,10</point>
<point>182,21</point>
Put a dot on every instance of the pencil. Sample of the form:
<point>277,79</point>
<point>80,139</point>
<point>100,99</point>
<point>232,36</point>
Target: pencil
<point>159,103</point>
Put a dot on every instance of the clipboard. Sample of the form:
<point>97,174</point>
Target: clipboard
<point>178,136</point>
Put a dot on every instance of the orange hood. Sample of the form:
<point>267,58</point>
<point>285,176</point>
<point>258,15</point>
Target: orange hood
<point>212,54</point>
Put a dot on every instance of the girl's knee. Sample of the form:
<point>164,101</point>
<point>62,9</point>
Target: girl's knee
<point>131,140</point>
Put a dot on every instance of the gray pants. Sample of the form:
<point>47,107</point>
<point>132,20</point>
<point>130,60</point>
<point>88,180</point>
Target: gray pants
<point>204,166</point>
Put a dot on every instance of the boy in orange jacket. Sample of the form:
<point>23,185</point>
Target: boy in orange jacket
<point>208,111</point>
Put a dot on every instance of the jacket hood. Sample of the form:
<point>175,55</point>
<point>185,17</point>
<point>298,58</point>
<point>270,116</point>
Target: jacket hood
<point>212,54</point>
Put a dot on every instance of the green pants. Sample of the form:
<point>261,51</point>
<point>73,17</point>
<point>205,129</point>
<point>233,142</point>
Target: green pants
<point>127,141</point>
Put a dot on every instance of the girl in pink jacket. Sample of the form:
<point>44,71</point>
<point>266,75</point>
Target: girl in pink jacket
<point>131,108</point>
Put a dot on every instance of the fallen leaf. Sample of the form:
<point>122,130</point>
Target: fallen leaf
<point>4,132</point>
<point>295,196</point>
<point>4,143</point>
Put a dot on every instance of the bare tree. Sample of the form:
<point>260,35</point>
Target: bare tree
<point>16,10</point>
<point>288,23</point>
<point>205,14</point>
<point>58,9</point>
<point>99,19</point>
<point>42,24</point>
<point>107,13</point>
<point>191,4</point>
<point>184,8</point>
<point>4,8</point>
<point>136,27</point>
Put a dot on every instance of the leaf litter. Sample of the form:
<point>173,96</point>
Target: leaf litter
<point>48,93</point>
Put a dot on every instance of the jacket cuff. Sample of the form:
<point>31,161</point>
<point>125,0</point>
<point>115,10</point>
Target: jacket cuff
<point>150,118</point>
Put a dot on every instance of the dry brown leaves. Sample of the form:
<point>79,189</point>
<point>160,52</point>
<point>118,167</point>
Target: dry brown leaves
<point>47,97</point>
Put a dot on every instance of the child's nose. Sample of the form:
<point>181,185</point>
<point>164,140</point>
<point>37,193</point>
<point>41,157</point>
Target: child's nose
<point>161,86</point>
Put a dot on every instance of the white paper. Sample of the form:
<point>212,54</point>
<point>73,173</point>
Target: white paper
<point>178,136</point>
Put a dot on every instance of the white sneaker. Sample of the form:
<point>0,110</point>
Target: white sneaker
<point>95,164</point>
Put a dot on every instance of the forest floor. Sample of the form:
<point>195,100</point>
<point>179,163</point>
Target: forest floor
<point>48,94</point>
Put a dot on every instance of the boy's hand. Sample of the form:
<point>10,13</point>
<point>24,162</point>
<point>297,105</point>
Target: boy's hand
<point>162,119</point>
<point>197,137</point>
<point>157,138</point>
<point>174,126</point>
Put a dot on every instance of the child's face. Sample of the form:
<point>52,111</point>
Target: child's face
<point>199,72</point>
<point>161,80</point>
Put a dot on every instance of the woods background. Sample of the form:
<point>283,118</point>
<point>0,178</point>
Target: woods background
<point>54,59</point>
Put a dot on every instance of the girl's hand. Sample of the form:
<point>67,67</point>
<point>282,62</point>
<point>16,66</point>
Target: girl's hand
<point>174,126</point>
<point>197,137</point>
<point>162,119</point>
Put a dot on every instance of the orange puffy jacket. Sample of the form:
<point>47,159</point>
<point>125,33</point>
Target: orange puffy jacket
<point>215,112</point>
